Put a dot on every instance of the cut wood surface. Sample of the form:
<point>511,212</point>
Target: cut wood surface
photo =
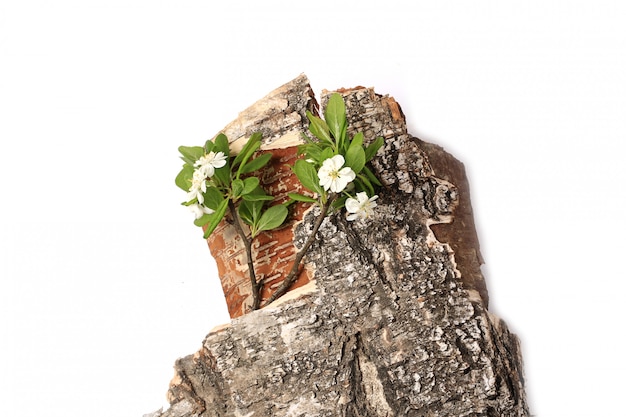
<point>393,320</point>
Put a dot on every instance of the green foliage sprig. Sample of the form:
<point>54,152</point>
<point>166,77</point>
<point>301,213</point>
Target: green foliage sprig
<point>333,162</point>
<point>334,169</point>
<point>213,179</point>
<point>216,183</point>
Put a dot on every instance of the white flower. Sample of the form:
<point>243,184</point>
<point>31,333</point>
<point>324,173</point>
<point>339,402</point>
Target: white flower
<point>199,210</point>
<point>360,207</point>
<point>209,162</point>
<point>198,186</point>
<point>332,176</point>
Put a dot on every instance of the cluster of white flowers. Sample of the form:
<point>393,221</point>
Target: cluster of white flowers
<point>335,177</point>
<point>205,169</point>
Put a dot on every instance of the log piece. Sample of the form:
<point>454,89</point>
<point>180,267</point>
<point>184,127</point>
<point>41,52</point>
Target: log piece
<point>394,320</point>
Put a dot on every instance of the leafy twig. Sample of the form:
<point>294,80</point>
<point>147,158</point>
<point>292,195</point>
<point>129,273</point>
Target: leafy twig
<point>334,168</point>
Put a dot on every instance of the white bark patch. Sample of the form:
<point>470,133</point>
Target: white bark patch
<point>373,386</point>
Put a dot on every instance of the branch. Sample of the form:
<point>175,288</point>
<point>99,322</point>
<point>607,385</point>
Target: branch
<point>295,269</point>
<point>256,287</point>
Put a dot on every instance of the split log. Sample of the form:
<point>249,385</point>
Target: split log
<point>394,319</point>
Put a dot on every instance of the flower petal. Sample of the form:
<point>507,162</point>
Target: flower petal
<point>351,217</point>
<point>347,172</point>
<point>338,161</point>
<point>339,184</point>
<point>352,205</point>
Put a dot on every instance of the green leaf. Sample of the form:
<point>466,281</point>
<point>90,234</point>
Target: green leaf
<point>355,156</point>
<point>223,175</point>
<point>216,218</point>
<point>341,142</point>
<point>249,185</point>
<point>202,220</point>
<point>335,115</point>
<point>301,197</point>
<point>244,213</point>
<point>242,187</point>
<point>319,128</point>
<point>250,211</point>
<point>190,154</point>
<point>307,175</point>
<point>357,140</point>
<point>371,176</point>
<point>258,194</point>
<point>312,151</point>
<point>213,198</point>
<point>208,146</point>
<point>237,188</point>
<point>373,148</point>
<point>340,202</point>
<point>365,184</point>
<point>257,197</point>
<point>272,218</point>
<point>256,209</point>
<point>246,153</point>
<point>222,145</point>
<point>254,141</point>
<point>184,177</point>
<point>256,163</point>
<point>326,153</point>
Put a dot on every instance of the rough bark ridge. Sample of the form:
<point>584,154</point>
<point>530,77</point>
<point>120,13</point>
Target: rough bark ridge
<point>392,324</point>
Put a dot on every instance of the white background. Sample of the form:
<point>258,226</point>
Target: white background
<point>104,279</point>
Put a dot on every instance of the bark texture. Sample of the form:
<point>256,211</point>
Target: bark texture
<point>394,319</point>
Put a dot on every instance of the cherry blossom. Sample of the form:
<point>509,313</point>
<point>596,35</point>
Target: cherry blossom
<point>334,176</point>
<point>360,207</point>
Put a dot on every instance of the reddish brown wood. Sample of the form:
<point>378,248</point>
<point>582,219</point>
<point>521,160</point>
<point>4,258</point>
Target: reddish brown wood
<point>273,251</point>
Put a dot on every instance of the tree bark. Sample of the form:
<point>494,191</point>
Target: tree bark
<point>394,320</point>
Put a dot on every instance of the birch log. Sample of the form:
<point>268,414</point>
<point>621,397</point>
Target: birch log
<point>394,320</point>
